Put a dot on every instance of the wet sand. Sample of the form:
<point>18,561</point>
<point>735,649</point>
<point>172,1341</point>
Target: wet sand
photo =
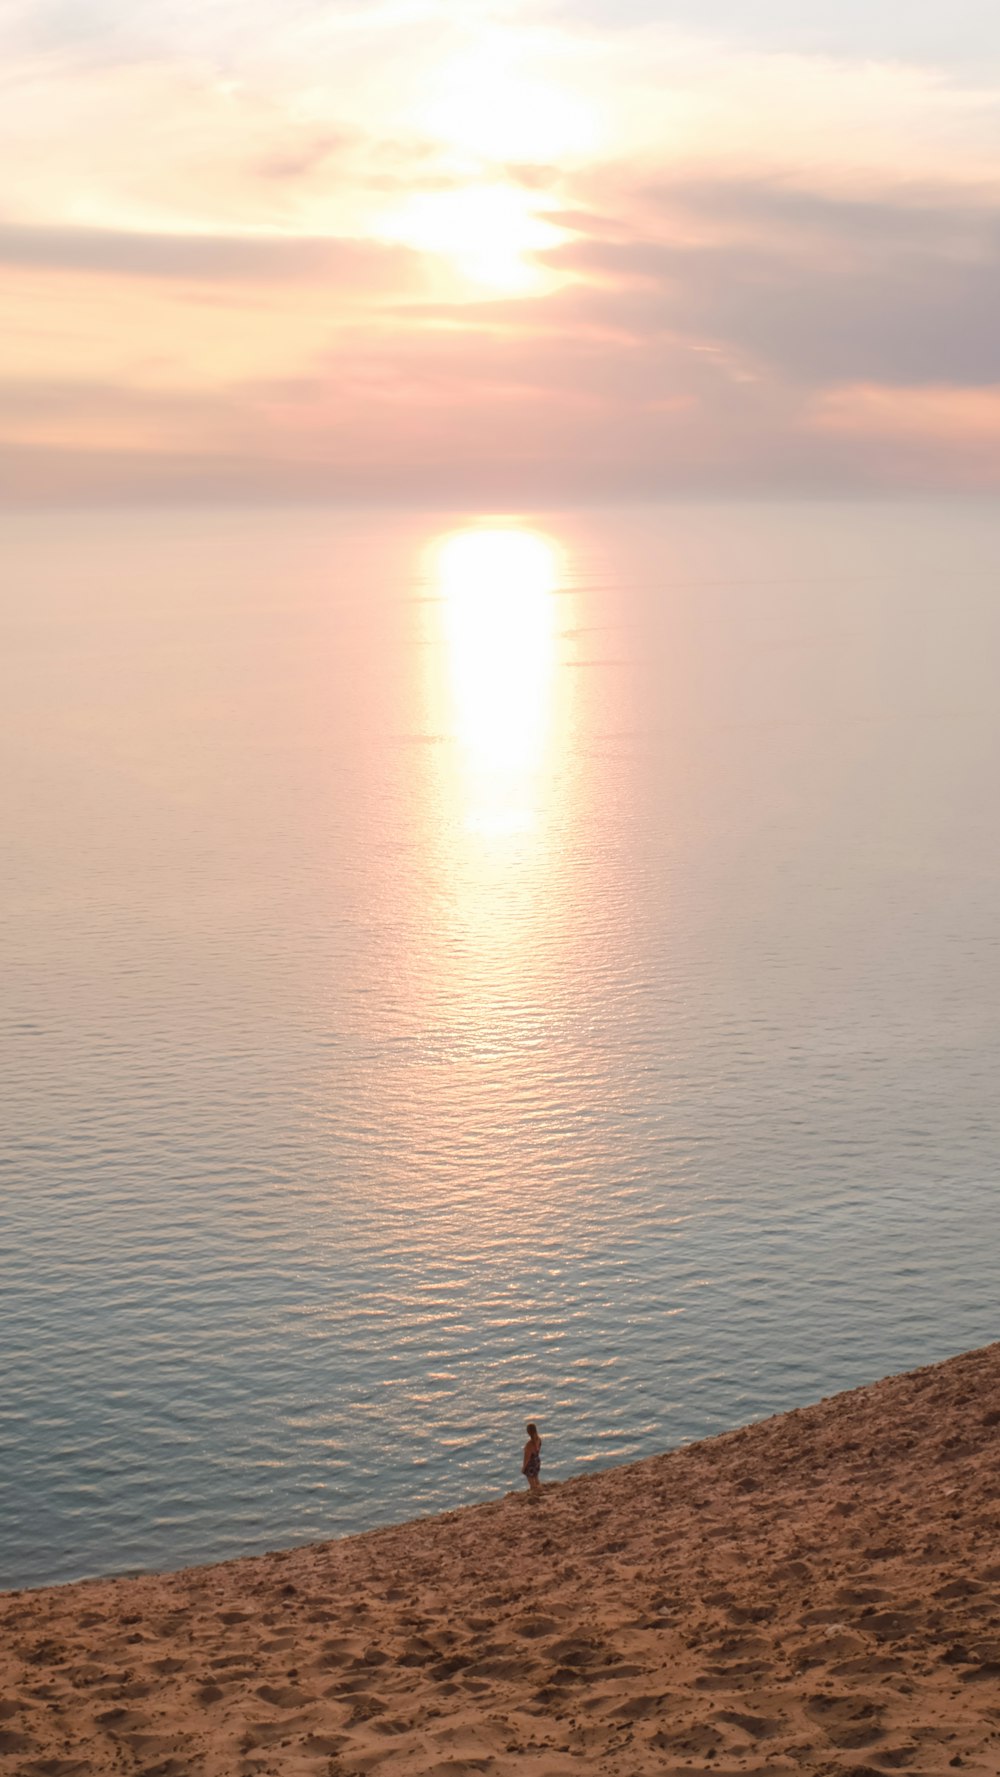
<point>817,1593</point>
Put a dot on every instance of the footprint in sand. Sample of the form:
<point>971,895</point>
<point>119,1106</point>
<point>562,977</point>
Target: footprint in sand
<point>120,1720</point>
<point>324,1745</point>
<point>366,1707</point>
<point>988,1669</point>
<point>339,1652</point>
<point>391,1726</point>
<point>793,1570</point>
<point>45,1653</point>
<point>12,1740</point>
<point>847,1722</point>
<point>417,1652</point>
<point>640,1708</point>
<point>758,1727</point>
<point>535,1628</point>
<point>265,1733</point>
<point>453,1767</point>
<point>372,1656</point>
<point>836,1644</point>
<point>286,1696</point>
<point>963,1588</point>
<point>505,1667</point>
<point>150,1745</point>
<point>698,1740</point>
<point>60,1767</point>
<point>867,1666</point>
<point>890,1625</point>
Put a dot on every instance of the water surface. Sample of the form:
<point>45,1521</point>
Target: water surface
<point>461,970</point>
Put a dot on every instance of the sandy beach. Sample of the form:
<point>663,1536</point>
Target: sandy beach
<point>819,1592</point>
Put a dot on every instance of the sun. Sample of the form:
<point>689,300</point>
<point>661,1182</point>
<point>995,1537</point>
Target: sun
<point>489,232</point>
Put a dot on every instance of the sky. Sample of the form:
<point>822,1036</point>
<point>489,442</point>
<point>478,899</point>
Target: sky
<point>498,251</point>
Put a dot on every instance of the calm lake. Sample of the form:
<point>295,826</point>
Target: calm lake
<point>462,969</point>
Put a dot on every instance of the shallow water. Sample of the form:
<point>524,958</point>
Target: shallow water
<point>453,982</point>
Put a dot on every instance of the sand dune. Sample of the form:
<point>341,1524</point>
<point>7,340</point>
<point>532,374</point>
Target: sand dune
<point>818,1593</point>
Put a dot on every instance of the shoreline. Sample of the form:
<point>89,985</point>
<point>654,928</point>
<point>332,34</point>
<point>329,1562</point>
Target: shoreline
<point>818,1592</point>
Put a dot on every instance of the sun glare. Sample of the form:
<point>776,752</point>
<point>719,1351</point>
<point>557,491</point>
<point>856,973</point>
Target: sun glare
<point>497,588</point>
<point>485,104</point>
<point>487,231</point>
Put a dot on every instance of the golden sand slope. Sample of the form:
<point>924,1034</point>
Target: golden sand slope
<point>818,1593</point>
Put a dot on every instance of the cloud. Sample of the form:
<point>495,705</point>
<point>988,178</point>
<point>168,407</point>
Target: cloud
<point>210,258</point>
<point>894,288</point>
<point>706,330</point>
<point>732,336</point>
<point>470,416</point>
<point>302,159</point>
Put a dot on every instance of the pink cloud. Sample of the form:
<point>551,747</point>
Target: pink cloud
<point>717,336</point>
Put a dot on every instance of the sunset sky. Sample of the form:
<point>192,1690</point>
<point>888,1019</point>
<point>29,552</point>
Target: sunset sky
<point>498,250</point>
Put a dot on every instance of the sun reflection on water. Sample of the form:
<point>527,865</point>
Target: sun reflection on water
<point>497,588</point>
<point>501,793</point>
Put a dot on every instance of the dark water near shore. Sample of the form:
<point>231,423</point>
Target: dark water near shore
<point>551,974</point>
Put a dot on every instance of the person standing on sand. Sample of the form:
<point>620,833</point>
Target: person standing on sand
<point>532,1457</point>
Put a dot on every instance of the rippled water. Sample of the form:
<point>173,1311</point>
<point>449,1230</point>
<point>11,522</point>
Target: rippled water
<point>448,982</point>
